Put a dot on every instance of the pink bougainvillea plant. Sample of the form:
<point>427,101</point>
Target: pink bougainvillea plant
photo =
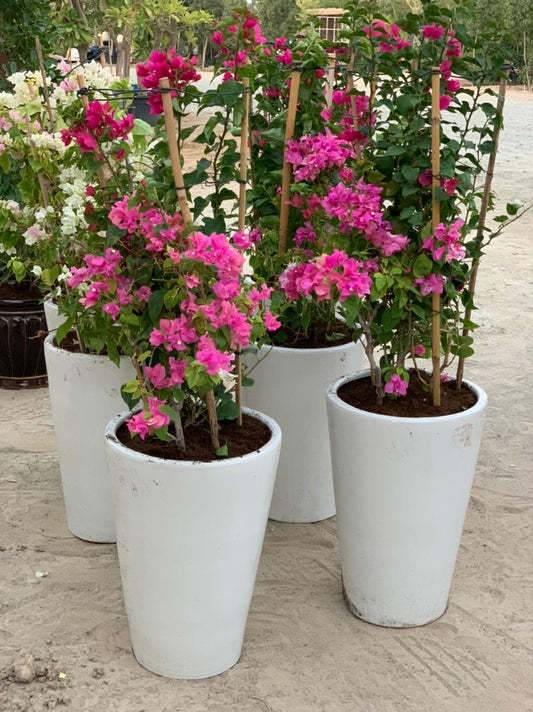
<point>362,244</point>
<point>181,309</point>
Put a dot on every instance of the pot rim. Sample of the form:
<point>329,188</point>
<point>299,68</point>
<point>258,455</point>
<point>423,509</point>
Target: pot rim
<point>271,444</point>
<point>331,395</point>
<point>292,349</point>
<point>50,345</point>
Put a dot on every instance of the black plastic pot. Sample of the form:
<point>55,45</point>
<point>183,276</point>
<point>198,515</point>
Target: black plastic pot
<point>140,108</point>
<point>22,363</point>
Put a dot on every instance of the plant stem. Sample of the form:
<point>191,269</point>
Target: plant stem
<point>213,422</point>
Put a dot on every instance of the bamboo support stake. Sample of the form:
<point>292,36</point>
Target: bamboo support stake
<point>39,50</point>
<point>242,220</point>
<point>177,173</point>
<point>482,220</point>
<point>244,154</point>
<point>85,101</point>
<point>81,84</point>
<point>330,80</point>
<point>353,103</point>
<point>102,55</point>
<point>42,181</point>
<point>286,179</point>
<point>435,219</point>
<point>172,138</point>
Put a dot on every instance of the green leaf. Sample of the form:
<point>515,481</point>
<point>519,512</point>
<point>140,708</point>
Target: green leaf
<point>171,298</point>
<point>410,173</point>
<point>172,414</point>
<point>155,304</point>
<point>130,399</point>
<point>130,387</point>
<point>228,410</point>
<point>64,329</point>
<point>422,266</point>
<point>440,194</point>
<point>222,451</point>
<point>141,128</point>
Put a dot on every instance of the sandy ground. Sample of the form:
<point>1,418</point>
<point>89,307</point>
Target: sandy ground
<point>303,651</point>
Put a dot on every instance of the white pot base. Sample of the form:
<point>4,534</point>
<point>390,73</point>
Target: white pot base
<point>289,385</point>
<point>402,487</point>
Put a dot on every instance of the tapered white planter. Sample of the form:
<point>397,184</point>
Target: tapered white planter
<point>85,395</point>
<point>53,319</point>
<point>402,487</point>
<point>189,538</point>
<point>289,385</point>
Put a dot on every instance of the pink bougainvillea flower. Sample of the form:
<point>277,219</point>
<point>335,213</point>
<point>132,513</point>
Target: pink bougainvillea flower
<point>429,284</point>
<point>180,73</point>
<point>156,419</point>
<point>453,85</point>
<point>285,58</point>
<point>433,31</point>
<point>449,185</point>
<point>396,386</point>
<point>143,294</point>
<point>425,178</point>
<point>419,350</point>
<point>213,359</point>
<point>157,376</point>
<point>137,425</point>
<point>453,47</point>
<point>177,368</point>
<point>271,322</point>
<point>444,102</point>
<point>111,308</point>
<point>445,68</point>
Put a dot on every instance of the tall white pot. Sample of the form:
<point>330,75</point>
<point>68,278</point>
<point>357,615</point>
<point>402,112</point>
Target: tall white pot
<point>189,538</point>
<point>402,487</point>
<point>51,313</point>
<point>289,385</point>
<point>85,395</point>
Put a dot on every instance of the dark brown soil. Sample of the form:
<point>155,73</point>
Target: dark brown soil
<point>320,336</point>
<point>71,343</point>
<point>20,291</point>
<point>241,440</point>
<point>417,403</point>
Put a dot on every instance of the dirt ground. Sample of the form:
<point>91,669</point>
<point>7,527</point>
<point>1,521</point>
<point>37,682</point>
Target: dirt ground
<point>61,598</point>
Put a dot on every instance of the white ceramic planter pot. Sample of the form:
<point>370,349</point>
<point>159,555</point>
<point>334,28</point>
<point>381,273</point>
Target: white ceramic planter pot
<point>53,320</point>
<point>289,385</point>
<point>189,538</point>
<point>85,395</point>
<point>402,487</point>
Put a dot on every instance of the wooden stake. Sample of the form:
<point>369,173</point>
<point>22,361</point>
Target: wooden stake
<point>286,179</point>
<point>39,50</point>
<point>85,101</point>
<point>244,155</point>
<point>332,60</point>
<point>42,182</point>
<point>435,219</point>
<point>482,219</point>
<point>81,84</point>
<point>172,139</point>
<point>102,55</point>
<point>242,221</point>
<point>353,104</point>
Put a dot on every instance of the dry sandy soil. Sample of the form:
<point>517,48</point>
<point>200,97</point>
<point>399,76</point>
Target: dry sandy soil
<point>303,651</point>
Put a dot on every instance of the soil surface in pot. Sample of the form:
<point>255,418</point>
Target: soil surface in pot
<point>19,291</point>
<point>323,335</point>
<point>71,343</point>
<point>417,403</point>
<point>241,440</point>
